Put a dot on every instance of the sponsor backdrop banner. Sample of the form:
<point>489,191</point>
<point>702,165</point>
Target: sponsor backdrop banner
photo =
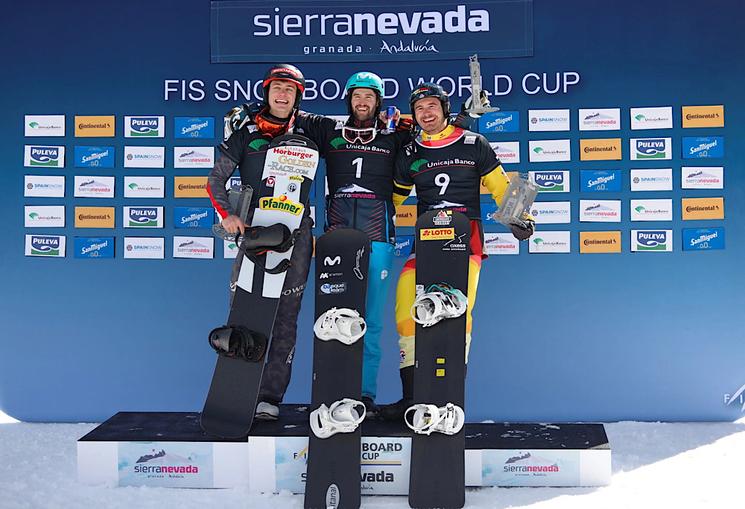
<point>166,287</point>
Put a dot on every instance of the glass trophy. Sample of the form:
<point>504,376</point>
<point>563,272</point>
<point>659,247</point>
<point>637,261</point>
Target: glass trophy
<point>518,198</point>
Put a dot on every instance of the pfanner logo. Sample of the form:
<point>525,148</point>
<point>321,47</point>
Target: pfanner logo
<point>281,204</point>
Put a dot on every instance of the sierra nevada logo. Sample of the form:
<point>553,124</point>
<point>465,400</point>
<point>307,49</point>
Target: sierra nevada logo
<point>282,204</point>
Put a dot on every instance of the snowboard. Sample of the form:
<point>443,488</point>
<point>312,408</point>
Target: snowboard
<point>437,475</point>
<point>289,169</point>
<point>333,469</point>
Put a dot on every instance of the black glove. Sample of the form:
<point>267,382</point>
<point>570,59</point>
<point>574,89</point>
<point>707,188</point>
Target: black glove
<point>239,116</point>
<point>523,233</point>
<point>463,119</point>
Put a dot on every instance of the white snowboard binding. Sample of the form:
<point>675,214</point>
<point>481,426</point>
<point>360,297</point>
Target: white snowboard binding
<point>424,419</point>
<point>342,324</point>
<point>342,416</point>
<point>440,301</point>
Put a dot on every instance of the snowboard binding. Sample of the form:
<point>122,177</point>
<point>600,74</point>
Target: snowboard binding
<point>438,302</point>
<point>343,416</point>
<point>260,239</point>
<point>425,419</point>
<point>239,342</point>
<point>342,324</point>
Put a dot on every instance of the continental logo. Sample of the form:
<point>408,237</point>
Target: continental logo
<point>437,234</point>
<point>702,208</point>
<point>600,242</point>
<point>703,116</point>
<point>605,149</point>
<point>406,215</point>
<point>190,187</point>
<point>94,126</point>
<point>281,204</point>
<point>94,217</point>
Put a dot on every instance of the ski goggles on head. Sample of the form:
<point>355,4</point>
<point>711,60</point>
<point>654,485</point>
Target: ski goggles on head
<point>356,134</point>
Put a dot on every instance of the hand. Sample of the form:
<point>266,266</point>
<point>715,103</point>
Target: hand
<point>524,233</point>
<point>233,224</point>
<point>383,116</point>
<point>463,119</point>
<point>239,116</point>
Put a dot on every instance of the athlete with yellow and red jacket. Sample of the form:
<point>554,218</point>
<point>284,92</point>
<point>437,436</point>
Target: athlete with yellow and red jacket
<point>447,164</point>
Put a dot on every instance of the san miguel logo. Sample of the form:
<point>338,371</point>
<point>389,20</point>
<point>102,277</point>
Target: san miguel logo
<point>281,204</point>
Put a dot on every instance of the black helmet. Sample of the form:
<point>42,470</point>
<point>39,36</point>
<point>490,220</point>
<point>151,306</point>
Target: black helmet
<point>430,90</point>
<point>286,72</point>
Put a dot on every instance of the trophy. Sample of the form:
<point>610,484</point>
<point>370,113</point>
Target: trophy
<point>240,201</point>
<point>518,198</point>
<point>478,103</point>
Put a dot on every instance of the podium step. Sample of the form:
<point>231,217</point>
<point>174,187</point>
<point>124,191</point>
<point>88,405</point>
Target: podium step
<point>170,449</point>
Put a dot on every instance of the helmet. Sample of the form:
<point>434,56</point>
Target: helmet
<point>364,79</point>
<point>286,72</point>
<point>430,90</point>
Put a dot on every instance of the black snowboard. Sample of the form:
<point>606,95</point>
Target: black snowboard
<point>333,472</point>
<point>289,170</point>
<point>437,476</point>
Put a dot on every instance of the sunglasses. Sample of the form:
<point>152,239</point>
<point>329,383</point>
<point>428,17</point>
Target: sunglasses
<point>354,134</point>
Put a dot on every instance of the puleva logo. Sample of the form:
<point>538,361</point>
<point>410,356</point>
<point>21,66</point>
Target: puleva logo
<point>94,217</point>
<point>703,239</point>
<point>143,217</point>
<point>550,181</point>
<point>600,180</point>
<point>94,126</point>
<point>702,208</point>
<point>607,149</point>
<point>44,156</point>
<point>281,204</point>
<point>94,247</point>
<point>703,147</point>
<point>650,148</point>
<point>500,122</point>
<point>193,217</point>
<point>654,241</point>
<point>600,242</point>
<point>94,157</point>
<point>144,127</point>
<point>703,116</point>
<point>702,177</point>
<point>194,127</point>
<point>52,246</point>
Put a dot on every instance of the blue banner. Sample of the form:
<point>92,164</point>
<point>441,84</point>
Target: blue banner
<point>94,247</point>
<point>703,147</point>
<point>404,245</point>
<point>194,127</point>
<point>94,157</point>
<point>193,217</point>
<point>499,122</point>
<point>600,181</point>
<point>703,239</point>
<point>353,31</point>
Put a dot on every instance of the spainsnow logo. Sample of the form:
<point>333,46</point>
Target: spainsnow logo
<point>193,157</point>
<point>703,177</point>
<point>549,150</point>
<point>507,152</point>
<point>44,156</point>
<point>703,147</point>
<point>44,125</point>
<point>94,157</point>
<point>44,186</point>
<point>652,118</point>
<point>143,217</point>
<point>144,247</point>
<point>500,122</point>
<point>194,127</point>
<point>600,180</point>
<point>607,119</point>
<point>144,127</point>
<point>651,210</point>
<point>548,120</point>
<point>652,180</point>
<point>94,247</point>
<point>550,242</point>
<point>651,240</point>
<point>552,212</point>
<point>608,211</point>
<point>52,246</point>
<point>94,186</point>
<point>650,148</point>
<point>193,247</point>
<point>550,181</point>
<point>144,157</point>
<point>703,239</point>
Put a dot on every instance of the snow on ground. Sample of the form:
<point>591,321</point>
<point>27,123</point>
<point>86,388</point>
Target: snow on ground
<point>655,465</point>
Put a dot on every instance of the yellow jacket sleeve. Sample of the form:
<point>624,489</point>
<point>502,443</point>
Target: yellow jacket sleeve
<point>400,193</point>
<point>496,181</point>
